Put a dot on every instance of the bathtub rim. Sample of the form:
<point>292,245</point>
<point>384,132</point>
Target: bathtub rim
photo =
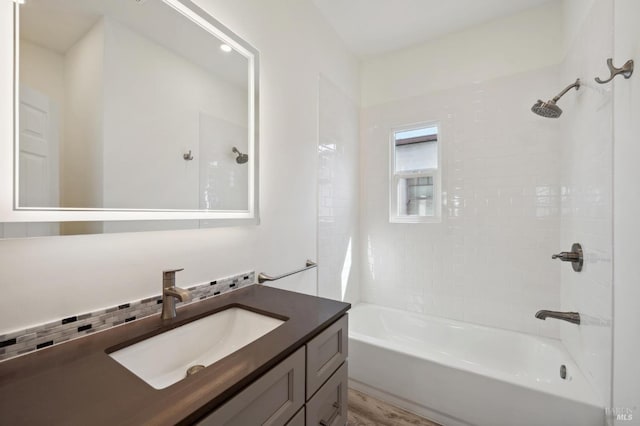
<point>546,412</point>
<point>590,395</point>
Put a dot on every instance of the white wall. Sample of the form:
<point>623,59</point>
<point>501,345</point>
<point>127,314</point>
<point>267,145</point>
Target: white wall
<point>501,47</point>
<point>574,13</point>
<point>84,89</point>
<point>223,183</point>
<point>586,146</point>
<point>153,102</point>
<point>626,210</point>
<point>338,194</point>
<point>49,278</point>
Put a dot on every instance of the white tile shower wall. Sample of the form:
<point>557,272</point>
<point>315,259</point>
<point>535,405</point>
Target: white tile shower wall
<point>488,262</point>
<point>586,149</point>
<point>338,177</point>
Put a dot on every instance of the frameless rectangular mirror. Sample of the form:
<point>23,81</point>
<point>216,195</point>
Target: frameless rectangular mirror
<point>130,110</point>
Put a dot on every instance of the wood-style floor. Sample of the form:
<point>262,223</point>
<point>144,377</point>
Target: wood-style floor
<point>364,410</point>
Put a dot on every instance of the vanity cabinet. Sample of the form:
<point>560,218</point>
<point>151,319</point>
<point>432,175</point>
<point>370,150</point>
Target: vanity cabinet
<point>327,376</point>
<point>289,376</point>
<point>325,353</point>
<point>307,388</point>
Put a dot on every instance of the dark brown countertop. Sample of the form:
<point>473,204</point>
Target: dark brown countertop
<point>77,383</point>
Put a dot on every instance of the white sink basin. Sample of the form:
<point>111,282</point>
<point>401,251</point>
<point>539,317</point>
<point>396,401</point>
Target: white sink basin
<point>164,359</point>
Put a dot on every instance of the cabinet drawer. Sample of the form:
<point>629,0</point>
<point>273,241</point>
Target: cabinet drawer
<point>325,353</point>
<point>271,400</point>
<point>328,407</point>
<point>298,419</point>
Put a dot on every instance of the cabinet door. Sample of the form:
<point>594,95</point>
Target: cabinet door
<point>328,407</point>
<point>325,353</point>
<point>271,400</point>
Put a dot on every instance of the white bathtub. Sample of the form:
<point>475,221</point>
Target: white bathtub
<point>459,374</point>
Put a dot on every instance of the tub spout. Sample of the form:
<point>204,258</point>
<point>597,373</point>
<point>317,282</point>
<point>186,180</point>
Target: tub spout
<point>572,317</point>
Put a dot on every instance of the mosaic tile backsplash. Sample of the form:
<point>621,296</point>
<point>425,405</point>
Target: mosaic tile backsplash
<point>41,336</point>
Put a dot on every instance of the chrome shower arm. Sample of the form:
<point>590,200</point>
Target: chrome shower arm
<point>566,89</point>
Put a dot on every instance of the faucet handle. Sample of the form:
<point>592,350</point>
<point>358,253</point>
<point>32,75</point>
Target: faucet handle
<point>172,271</point>
<point>169,277</point>
<point>566,256</point>
<point>575,256</point>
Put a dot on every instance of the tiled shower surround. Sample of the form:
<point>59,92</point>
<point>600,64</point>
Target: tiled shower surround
<point>338,176</point>
<point>41,336</point>
<point>517,187</point>
<point>586,184</point>
<point>489,260</point>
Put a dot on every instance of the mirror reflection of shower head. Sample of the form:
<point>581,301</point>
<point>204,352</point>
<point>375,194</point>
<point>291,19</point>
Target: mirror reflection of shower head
<point>549,109</point>
<point>241,158</point>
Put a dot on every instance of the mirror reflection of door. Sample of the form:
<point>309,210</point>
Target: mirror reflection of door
<point>38,160</point>
<point>38,144</point>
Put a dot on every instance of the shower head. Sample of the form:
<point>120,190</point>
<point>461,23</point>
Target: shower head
<point>241,158</point>
<point>549,109</point>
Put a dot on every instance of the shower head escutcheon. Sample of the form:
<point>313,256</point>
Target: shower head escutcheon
<point>549,109</point>
<point>241,158</point>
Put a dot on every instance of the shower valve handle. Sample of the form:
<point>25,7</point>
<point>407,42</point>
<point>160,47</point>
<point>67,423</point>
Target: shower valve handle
<point>575,256</point>
<point>566,256</point>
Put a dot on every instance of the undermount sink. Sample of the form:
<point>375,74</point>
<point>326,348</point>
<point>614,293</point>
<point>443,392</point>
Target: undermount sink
<point>164,359</point>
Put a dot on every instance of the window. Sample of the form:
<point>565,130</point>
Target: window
<point>415,174</point>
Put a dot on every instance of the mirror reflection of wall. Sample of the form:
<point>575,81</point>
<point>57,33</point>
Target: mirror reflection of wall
<point>113,94</point>
<point>223,183</point>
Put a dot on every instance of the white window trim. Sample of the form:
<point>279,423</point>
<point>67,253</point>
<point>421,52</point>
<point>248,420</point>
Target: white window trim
<point>395,177</point>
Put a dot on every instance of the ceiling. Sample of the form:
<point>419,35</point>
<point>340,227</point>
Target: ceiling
<point>370,27</point>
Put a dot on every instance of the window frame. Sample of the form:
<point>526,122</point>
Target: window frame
<point>434,173</point>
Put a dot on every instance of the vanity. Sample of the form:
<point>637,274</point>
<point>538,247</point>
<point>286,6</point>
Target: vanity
<point>168,98</point>
<point>295,374</point>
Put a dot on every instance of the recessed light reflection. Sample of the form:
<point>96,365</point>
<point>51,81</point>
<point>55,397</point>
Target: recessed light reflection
<point>225,48</point>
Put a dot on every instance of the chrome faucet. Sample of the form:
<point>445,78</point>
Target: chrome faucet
<point>170,293</point>
<point>572,317</point>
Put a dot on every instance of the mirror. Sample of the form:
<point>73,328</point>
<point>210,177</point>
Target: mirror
<point>131,110</point>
